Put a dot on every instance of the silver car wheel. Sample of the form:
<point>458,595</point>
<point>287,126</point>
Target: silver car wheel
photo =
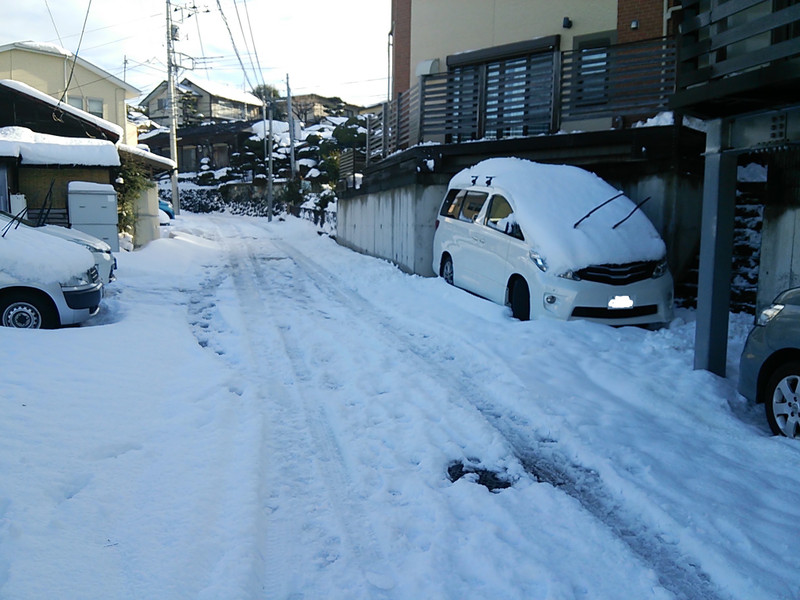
<point>22,315</point>
<point>447,270</point>
<point>783,401</point>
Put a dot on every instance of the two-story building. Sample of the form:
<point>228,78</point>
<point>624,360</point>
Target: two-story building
<point>583,83</point>
<point>59,73</point>
<point>201,101</point>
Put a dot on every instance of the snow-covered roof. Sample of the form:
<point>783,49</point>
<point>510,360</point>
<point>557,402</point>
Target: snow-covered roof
<point>90,187</point>
<point>224,91</point>
<point>148,156</point>
<point>260,127</point>
<point>55,50</point>
<point>550,199</point>
<point>24,88</point>
<point>34,148</point>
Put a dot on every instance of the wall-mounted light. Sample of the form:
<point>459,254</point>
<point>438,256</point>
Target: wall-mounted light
<point>635,24</point>
<point>567,23</point>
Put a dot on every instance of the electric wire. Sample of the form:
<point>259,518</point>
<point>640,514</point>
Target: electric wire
<point>53,21</point>
<point>75,55</point>
<point>233,43</point>
<point>244,37</point>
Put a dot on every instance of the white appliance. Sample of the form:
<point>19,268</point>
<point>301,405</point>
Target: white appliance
<point>93,210</point>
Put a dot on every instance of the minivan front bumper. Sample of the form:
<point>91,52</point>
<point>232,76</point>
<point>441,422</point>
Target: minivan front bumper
<point>84,297</point>
<point>641,303</point>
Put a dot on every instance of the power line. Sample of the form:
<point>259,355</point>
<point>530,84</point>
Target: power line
<point>244,37</point>
<point>75,56</point>
<point>255,49</point>
<point>233,43</point>
<point>53,21</point>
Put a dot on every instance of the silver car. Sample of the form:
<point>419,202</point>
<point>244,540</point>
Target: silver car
<point>769,370</point>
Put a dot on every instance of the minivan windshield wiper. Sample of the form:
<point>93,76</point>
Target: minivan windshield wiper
<point>595,209</point>
<point>635,208</point>
<point>17,218</point>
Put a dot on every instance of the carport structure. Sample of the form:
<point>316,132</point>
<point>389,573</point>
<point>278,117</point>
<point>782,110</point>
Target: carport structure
<point>739,69</point>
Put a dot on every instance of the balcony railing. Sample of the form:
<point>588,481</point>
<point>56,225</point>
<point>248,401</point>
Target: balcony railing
<point>738,55</point>
<point>528,96</point>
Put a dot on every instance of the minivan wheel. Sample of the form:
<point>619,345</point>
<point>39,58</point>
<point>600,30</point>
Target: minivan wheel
<point>782,400</point>
<point>520,300</point>
<point>447,269</point>
<point>26,311</point>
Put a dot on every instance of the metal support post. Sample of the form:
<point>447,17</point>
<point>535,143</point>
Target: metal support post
<point>716,251</point>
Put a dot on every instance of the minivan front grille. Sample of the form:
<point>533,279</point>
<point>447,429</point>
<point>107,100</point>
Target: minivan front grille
<point>94,274</point>
<point>618,274</point>
<point>594,312</point>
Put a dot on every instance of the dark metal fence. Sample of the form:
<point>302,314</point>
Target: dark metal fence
<point>527,96</point>
<point>623,80</point>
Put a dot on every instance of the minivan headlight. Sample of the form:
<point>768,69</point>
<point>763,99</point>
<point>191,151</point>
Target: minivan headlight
<point>76,281</point>
<point>571,275</point>
<point>768,314</point>
<point>539,260</point>
<point>660,269</point>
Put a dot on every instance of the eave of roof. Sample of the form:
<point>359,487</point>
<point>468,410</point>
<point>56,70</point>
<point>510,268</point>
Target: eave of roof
<point>115,131</point>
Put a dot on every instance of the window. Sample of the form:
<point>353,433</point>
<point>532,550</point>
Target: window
<point>472,204</point>
<point>501,217</point>
<point>75,102</point>
<point>94,106</point>
<point>591,61</point>
<point>162,104</point>
<point>452,204</point>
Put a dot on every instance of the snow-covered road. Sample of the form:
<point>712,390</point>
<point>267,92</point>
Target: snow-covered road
<point>260,413</point>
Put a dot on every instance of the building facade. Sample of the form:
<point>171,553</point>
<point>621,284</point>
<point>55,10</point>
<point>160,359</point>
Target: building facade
<point>49,69</point>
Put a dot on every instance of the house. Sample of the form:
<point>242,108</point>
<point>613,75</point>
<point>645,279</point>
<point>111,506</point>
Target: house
<point>569,82</point>
<point>202,101</point>
<point>72,80</point>
<point>739,68</point>
<point>312,108</point>
<point>46,144</point>
<point>214,141</point>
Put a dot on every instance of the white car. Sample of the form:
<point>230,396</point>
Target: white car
<point>45,282</point>
<point>552,240</point>
<point>101,251</point>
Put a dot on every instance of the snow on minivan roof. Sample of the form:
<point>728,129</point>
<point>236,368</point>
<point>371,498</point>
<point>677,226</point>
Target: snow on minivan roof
<point>28,255</point>
<point>548,201</point>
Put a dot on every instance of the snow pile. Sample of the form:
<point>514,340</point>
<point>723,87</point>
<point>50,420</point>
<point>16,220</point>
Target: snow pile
<point>280,418</point>
<point>551,199</point>
<point>27,255</point>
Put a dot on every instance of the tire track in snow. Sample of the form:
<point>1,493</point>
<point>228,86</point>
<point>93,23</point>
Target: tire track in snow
<point>292,428</point>
<point>540,457</point>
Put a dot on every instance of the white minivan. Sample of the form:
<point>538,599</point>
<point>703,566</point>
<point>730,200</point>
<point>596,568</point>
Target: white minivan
<point>552,240</point>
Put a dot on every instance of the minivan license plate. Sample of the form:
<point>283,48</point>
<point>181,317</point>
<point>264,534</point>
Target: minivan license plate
<point>620,302</point>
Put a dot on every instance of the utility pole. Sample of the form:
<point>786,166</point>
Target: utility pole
<point>270,198</point>
<point>173,109</point>
<point>291,126</point>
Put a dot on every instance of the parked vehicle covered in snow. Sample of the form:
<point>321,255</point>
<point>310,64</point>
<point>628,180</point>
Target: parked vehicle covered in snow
<point>552,240</point>
<point>101,251</point>
<point>45,282</point>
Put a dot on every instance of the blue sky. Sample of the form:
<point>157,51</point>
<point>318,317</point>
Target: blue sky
<point>341,53</point>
